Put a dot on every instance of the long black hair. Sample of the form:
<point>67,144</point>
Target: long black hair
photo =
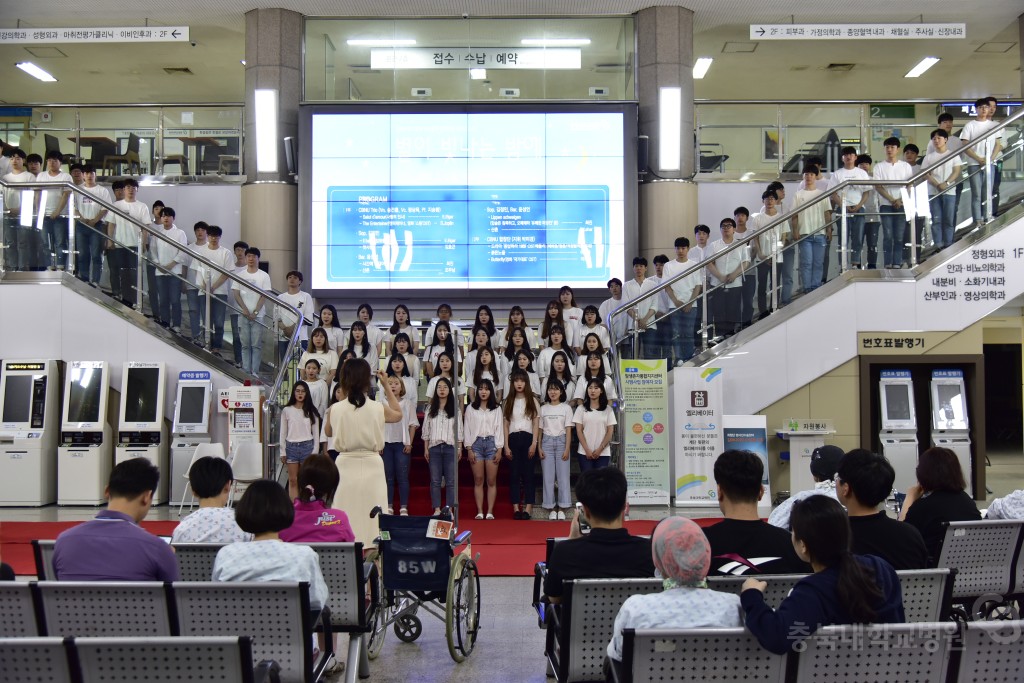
<point>365,345</point>
<point>510,351</point>
<point>449,343</point>
<point>435,401</point>
<point>307,407</point>
<point>489,325</point>
<point>820,522</point>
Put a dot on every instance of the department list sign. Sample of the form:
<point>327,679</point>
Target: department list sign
<point>893,31</point>
<point>645,428</point>
<point>94,34</point>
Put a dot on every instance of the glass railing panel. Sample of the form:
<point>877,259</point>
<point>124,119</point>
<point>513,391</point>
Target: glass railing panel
<point>118,140</point>
<point>738,139</point>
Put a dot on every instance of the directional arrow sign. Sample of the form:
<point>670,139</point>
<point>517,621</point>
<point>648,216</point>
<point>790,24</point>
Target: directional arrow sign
<point>94,34</point>
<point>895,31</point>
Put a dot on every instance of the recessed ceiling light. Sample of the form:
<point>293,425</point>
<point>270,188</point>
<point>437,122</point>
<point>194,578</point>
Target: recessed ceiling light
<point>380,42</point>
<point>33,70</point>
<point>478,74</point>
<point>555,42</point>
<point>922,66</point>
<point>701,66</point>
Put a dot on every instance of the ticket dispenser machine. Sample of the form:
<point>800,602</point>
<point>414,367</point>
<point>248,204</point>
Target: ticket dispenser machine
<point>950,428</point>
<point>191,426</point>
<point>142,432</point>
<point>86,453</point>
<point>899,426</point>
<point>29,426</point>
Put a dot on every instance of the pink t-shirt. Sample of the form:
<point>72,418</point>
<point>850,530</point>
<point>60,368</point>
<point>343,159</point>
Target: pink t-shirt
<point>317,523</point>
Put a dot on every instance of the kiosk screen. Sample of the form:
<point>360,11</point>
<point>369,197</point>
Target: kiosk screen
<point>17,398</point>
<point>141,395</point>
<point>84,401</point>
<point>192,403</point>
<point>951,407</point>
<point>897,402</point>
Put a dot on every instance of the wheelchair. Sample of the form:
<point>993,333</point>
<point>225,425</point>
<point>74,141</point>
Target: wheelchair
<point>415,573</point>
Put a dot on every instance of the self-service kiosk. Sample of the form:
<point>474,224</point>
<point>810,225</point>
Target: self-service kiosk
<point>86,453</point>
<point>899,426</point>
<point>142,432</point>
<point>191,426</point>
<point>29,423</point>
<point>950,428</point>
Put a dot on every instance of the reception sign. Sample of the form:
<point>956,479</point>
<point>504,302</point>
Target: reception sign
<point>645,431</point>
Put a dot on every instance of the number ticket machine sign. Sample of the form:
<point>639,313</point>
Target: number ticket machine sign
<point>899,426</point>
<point>950,428</point>
<point>143,432</point>
<point>191,426</point>
<point>29,424</point>
<point>86,453</point>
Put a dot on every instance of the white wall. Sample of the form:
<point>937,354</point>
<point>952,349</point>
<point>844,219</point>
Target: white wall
<point>216,204</point>
<point>51,321</point>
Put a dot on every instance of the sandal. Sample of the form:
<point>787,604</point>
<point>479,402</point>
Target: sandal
<point>489,516</point>
<point>479,515</point>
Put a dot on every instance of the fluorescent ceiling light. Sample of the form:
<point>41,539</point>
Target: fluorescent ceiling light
<point>555,42</point>
<point>478,74</point>
<point>922,66</point>
<point>381,42</point>
<point>670,122</point>
<point>700,68</point>
<point>266,131</point>
<point>33,70</point>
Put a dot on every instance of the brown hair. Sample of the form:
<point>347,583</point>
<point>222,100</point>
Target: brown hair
<point>939,470</point>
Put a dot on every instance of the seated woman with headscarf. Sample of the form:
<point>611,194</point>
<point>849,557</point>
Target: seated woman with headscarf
<point>682,558</point>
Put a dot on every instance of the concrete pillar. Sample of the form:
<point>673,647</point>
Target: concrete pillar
<point>664,57</point>
<point>668,209</point>
<point>273,60</point>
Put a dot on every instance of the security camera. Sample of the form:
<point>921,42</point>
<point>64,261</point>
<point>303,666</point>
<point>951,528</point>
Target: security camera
<point>192,43</point>
<point>465,15</point>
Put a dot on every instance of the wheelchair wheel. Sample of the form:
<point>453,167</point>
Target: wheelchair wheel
<point>379,624</point>
<point>462,608</point>
<point>408,628</point>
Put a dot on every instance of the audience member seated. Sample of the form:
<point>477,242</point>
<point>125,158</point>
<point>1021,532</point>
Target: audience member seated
<point>210,479</point>
<point>844,588</point>
<point>608,551</point>
<point>1010,506</point>
<point>265,511</point>
<point>743,543</point>
<point>937,497</point>
<point>315,521</point>
<point>863,482</point>
<point>113,547</point>
<point>682,557</point>
<point>824,461</point>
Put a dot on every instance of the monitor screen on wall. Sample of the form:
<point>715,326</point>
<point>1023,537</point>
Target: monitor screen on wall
<point>470,197</point>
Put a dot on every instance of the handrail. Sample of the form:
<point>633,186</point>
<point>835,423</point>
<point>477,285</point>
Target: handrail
<point>195,255</point>
<point>786,217</point>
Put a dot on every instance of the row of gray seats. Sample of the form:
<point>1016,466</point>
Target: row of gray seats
<point>222,659</point>
<point>989,560</point>
<point>578,631</point>
<point>946,652</point>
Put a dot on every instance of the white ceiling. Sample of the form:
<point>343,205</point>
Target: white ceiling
<point>134,73</point>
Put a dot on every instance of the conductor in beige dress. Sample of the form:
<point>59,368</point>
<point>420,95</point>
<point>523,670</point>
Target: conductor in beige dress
<point>356,429</point>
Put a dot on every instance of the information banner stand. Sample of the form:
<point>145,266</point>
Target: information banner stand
<point>698,434</point>
<point>750,433</point>
<point>645,431</point>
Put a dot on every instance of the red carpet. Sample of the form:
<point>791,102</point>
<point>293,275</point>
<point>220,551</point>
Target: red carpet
<point>507,547</point>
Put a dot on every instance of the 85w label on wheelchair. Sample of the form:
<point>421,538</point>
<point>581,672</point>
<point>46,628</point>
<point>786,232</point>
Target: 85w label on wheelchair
<point>417,567</point>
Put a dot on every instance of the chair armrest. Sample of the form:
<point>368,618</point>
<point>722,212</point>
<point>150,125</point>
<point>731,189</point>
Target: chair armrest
<point>540,603</point>
<point>617,670</point>
<point>462,539</point>
<point>267,671</point>
<point>370,573</point>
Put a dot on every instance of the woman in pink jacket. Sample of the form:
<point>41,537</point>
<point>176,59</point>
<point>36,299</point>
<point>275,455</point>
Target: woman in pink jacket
<point>315,522</point>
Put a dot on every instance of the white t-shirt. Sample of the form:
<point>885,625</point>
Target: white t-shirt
<point>631,290</point>
<point>727,263</point>
<point>250,298</point>
<point>619,324</point>
<point>852,193</point>
<point>768,242</point>
<point>53,196</point>
<point>554,420</point>
<point>300,300</point>
<point>223,258</point>
<point>14,197</point>
<point>127,233</point>
<point>683,288</point>
<point>813,219</point>
<point>950,163</point>
<point>600,330</point>
<point>581,389</point>
<point>594,424</point>
<point>974,130</point>
<point>87,208</point>
<point>953,143</point>
<point>165,254</point>
<point>898,170</point>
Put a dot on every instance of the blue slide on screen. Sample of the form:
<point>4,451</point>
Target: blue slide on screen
<point>452,201</point>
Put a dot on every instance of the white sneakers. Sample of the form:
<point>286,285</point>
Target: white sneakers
<point>552,515</point>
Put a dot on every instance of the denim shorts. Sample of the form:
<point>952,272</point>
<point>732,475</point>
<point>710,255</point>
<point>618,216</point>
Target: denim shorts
<point>297,451</point>
<point>483,448</point>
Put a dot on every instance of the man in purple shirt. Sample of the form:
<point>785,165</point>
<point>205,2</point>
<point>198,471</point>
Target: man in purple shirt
<point>113,547</point>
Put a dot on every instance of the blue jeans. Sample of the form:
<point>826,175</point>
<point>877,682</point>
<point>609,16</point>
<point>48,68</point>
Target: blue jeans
<point>442,463</point>
<point>236,337</point>
<point>169,298</point>
<point>976,175</point>
<point>195,316</point>
<point>56,231</point>
<point>588,464</point>
<point>812,261</point>
<point>894,222</point>
<point>683,324</point>
<point>123,266</point>
<point>89,245</point>
<point>18,239</point>
<point>786,274</point>
<point>250,333</point>
<point>855,231</point>
<point>396,466</point>
<point>521,486</point>
<point>555,469</point>
<point>218,308</point>
<point>871,237</point>
<point>943,219</point>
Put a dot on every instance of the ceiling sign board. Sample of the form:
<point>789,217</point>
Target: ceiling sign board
<point>896,31</point>
<point>476,58</point>
<point>94,34</point>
